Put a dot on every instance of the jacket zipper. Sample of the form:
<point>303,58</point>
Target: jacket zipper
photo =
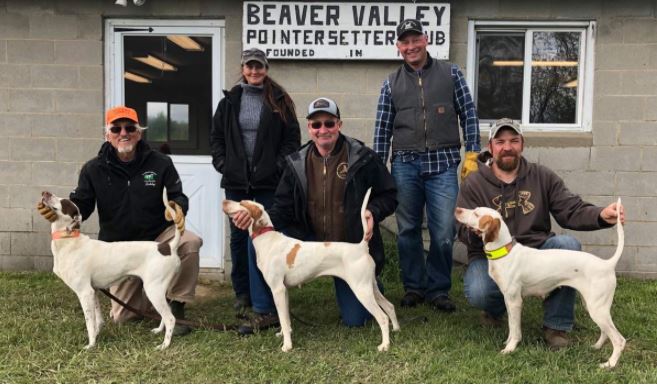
<point>424,109</point>
<point>324,193</point>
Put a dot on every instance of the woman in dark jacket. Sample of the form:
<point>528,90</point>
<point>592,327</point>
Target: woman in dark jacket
<point>254,128</point>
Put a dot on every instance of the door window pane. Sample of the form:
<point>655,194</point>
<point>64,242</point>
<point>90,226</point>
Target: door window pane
<point>500,70</point>
<point>554,83</point>
<point>179,130</point>
<point>156,121</point>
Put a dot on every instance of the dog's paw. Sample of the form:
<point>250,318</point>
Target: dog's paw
<point>156,330</point>
<point>606,365</point>
<point>89,346</point>
<point>383,347</point>
<point>162,346</point>
<point>286,348</point>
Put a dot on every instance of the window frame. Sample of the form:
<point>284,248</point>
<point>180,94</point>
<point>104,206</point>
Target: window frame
<point>585,71</point>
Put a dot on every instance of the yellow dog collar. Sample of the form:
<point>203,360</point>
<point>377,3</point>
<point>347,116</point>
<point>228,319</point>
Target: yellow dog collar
<point>498,253</point>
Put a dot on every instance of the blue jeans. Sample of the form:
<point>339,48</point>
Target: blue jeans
<point>433,277</point>
<point>240,243</point>
<point>558,308</point>
<point>352,313</point>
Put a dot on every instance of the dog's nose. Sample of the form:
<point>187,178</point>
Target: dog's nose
<point>46,194</point>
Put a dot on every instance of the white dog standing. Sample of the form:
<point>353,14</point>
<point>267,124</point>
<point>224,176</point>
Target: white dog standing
<point>287,262</point>
<point>85,265</point>
<point>522,271</point>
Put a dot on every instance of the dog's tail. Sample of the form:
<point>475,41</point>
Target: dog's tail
<point>172,212</point>
<point>621,236</point>
<point>362,213</point>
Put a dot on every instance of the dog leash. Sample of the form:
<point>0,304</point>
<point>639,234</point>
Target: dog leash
<point>182,322</point>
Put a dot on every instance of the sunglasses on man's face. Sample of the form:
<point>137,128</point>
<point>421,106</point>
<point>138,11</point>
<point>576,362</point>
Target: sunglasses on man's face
<point>128,129</point>
<point>318,124</point>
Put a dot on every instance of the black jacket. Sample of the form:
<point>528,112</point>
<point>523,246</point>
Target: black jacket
<point>289,212</point>
<point>129,199</point>
<point>275,140</point>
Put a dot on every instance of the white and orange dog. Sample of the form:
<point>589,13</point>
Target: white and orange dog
<point>526,271</point>
<point>85,265</point>
<point>287,262</point>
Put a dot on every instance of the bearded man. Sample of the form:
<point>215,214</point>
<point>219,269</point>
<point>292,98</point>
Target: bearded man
<point>526,194</point>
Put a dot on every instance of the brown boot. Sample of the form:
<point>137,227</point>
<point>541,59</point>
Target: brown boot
<point>555,339</point>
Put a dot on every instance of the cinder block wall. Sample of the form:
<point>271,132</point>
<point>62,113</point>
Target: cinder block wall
<point>51,105</point>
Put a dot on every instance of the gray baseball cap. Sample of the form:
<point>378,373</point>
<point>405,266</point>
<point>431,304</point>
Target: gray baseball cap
<point>323,105</point>
<point>504,123</point>
<point>254,54</point>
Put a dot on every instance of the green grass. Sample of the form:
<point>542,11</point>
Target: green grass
<point>42,335</point>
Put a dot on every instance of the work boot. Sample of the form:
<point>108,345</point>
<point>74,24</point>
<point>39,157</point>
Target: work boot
<point>442,303</point>
<point>555,339</point>
<point>411,299</point>
<point>259,322</point>
<point>178,310</point>
<point>241,305</point>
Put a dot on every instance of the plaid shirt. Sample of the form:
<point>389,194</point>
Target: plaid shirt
<point>437,161</point>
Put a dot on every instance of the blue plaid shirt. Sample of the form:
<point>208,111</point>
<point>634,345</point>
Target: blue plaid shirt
<point>437,161</point>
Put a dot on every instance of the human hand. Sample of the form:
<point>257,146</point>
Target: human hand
<point>179,220</point>
<point>370,225</point>
<point>610,214</point>
<point>469,164</point>
<point>241,219</point>
<point>46,212</point>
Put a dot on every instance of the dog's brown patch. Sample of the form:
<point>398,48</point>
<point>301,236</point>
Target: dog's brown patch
<point>491,227</point>
<point>327,244</point>
<point>70,209</point>
<point>164,249</point>
<point>292,255</point>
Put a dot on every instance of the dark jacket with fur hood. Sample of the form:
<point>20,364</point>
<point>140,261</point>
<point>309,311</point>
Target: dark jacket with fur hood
<point>365,169</point>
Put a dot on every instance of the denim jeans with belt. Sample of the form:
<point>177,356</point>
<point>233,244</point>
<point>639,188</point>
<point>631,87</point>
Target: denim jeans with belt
<point>432,278</point>
<point>558,308</point>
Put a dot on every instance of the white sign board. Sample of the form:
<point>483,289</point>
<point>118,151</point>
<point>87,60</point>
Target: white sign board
<point>298,30</point>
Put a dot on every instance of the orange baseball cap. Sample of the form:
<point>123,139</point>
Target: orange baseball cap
<point>120,112</point>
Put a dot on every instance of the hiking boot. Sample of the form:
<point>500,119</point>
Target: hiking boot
<point>178,310</point>
<point>259,322</point>
<point>442,303</point>
<point>555,339</point>
<point>488,320</point>
<point>241,305</point>
<point>411,299</point>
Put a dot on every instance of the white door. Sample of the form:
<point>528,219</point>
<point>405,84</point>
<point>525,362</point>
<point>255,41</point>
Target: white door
<point>201,185</point>
<point>171,72</point>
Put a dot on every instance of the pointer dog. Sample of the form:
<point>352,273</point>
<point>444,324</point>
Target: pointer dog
<point>85,264</point>
<point>287,262</point>
<point>526,271</point>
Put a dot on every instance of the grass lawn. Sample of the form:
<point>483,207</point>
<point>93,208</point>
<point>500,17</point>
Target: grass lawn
<point>42,335</point>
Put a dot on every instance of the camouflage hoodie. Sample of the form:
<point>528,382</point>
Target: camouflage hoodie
<point>525,204</point>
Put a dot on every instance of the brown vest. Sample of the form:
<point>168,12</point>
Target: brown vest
<point>326,185</point>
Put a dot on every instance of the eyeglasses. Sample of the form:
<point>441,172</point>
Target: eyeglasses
<point>128,129</point>
<point>318,124</point>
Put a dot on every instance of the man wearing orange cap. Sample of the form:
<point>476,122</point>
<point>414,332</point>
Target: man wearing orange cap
<point>125,181</point>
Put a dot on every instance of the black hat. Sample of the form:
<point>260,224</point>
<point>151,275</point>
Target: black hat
<point>409,25</point>
<point>254,54</point>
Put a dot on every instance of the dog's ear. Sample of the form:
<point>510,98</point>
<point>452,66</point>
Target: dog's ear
<point>492,228</point>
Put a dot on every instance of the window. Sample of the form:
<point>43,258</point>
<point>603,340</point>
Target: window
<point>540,74</point>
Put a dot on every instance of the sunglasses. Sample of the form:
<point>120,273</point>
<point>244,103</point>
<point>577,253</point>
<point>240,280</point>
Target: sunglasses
<point>128,129</point>
<point>318,124</point>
